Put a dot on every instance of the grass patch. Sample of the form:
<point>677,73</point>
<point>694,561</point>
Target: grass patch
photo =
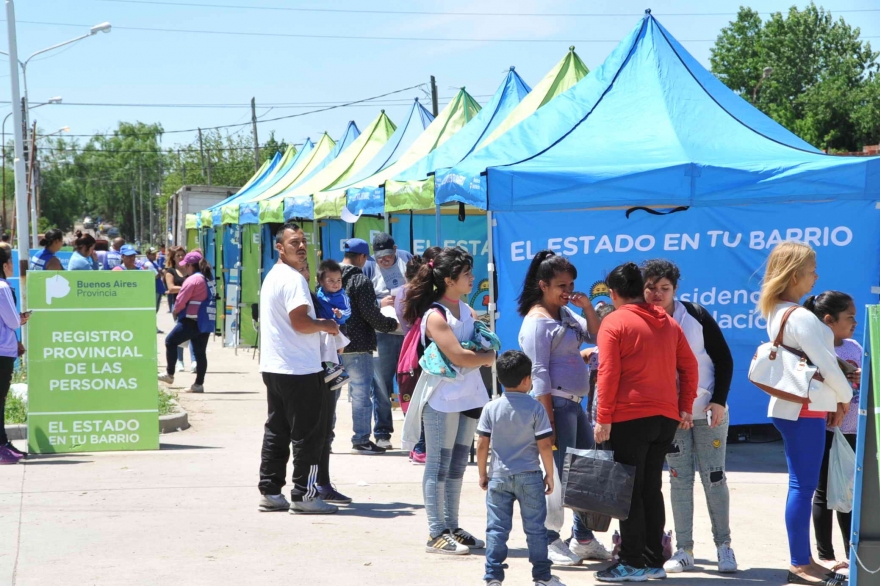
<point>16,410</point>
<point>165,402</point>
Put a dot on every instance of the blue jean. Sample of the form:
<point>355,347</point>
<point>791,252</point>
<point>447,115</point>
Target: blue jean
<point>527,489</point>
<point>804,442</point>
<point>388,347</point>
<point>359,366</point>
<point>448,439</point>
<point>192,353</point>
<point>573,430</point>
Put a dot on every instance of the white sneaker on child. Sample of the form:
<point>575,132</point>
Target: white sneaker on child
<point>589,550</point>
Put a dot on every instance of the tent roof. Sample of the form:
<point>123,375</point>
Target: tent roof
<point>565,74</point>
<point>302,168</point>
<point>454,116</point>
<point>280,164</point>
<point>416,122</point>
<point>266,169</point>
<point>510,94</point>
<point>651,126</point>
<point>350,161</point>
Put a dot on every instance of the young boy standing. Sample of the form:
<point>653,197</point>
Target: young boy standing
<point>516,429</point>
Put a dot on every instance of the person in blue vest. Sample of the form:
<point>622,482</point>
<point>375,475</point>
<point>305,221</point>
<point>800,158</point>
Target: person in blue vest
<point>128,254</point>
<point>196,312</point>
<point>45,260</point>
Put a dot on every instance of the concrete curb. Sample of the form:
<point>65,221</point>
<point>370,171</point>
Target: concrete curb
<point>167,424</point>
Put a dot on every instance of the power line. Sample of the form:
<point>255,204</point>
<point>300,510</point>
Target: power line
<point>288,116</point>
<point>355,37</point>
<point>397,102</point>
<point>432,13</point>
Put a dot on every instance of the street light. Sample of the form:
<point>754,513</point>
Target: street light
<point>768,71</point>
<point>53,100</point>
<point>59,131</point>
<point>98,28</point>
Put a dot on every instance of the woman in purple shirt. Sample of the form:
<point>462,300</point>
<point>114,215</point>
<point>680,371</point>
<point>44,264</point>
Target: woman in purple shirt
<point>10,320</point>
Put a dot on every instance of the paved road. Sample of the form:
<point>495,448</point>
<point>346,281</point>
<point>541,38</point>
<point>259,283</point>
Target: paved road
<point>187,514</point>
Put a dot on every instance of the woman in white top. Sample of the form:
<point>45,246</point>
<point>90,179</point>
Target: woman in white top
<point>790,275</point>
<point>453,406</point>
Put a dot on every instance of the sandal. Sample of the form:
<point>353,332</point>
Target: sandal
<point>795,579</point>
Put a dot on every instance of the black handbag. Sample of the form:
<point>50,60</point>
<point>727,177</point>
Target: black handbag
<point>594,483</point>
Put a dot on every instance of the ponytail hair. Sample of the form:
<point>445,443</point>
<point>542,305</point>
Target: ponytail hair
<point>429,283</point>
<point>831,303</point>
<point>416,262</point>
<point>626,280</point>
<point>51,237</point>
<point>205,268</point>
<point>546,265</point>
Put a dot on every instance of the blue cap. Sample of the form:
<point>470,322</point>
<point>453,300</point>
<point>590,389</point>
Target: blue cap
<point>357,246</point>
<point>127,250</point>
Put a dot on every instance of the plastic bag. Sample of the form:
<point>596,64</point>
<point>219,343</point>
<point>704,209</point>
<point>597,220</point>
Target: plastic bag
<point>841,474</point>
<point>595,483</point>
<point>555,513</point>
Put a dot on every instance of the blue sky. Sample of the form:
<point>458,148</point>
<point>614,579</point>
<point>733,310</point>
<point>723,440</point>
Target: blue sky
<point>150,67</point>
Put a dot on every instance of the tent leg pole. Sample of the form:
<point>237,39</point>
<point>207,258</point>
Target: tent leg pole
<point>437,222</point>
<point>491,262</point>
<point>387,223</point>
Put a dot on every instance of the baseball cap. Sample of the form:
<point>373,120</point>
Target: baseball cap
<point>383,245</point>
<point>192,258</point>
<point>357,246</point>
<point>127,250</point>
<point>152,250</point>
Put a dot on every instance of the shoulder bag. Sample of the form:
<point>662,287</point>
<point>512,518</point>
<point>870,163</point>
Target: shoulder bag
<point>781,371</point>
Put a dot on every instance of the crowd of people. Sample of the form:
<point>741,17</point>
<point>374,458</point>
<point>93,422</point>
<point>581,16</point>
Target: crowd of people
<point>653,390</point>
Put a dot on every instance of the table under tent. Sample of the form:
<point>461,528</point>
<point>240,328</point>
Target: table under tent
<point>651,156</point>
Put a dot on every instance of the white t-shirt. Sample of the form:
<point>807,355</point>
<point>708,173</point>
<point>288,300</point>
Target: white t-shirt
<point>283,350</point>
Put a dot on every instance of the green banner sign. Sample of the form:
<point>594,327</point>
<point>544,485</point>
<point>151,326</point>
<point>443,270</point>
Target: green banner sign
<point>92,361</point>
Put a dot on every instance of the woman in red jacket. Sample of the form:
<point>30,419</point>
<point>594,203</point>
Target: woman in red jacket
<point>641,405</point>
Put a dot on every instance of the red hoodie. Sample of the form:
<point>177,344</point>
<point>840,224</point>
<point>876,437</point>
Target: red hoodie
<point>641,349</point>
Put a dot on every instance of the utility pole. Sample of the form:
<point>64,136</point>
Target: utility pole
<point>133,212</point>
<point>202,155</point>
<point>434,106</point>
<point>209,167</point>
<point>150,200</point>
<point>141,199</point>
<point>32,202</point>
<point>256,142</point>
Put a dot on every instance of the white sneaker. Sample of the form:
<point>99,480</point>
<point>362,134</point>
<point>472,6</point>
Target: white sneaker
<point>192,366</point>
<point>385,444</point>
<point>560,555</point>
<point>591,550</point>
<point>681,561</point>
<point>312,507</point>
<point>166,378</point>
<point>492,582</point>
<point>726,559</point>
<point>273,502</point>
<point>553,581</point>
<point>197,389</point>
<point>180,367</point>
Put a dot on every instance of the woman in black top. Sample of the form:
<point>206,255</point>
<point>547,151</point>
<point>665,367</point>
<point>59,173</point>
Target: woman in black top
<point>174,281</point>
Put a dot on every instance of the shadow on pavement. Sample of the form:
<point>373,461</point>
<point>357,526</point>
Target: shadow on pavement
<point>165,446</point>
<point>31,461</point>
<point>756,457</point>
<point>380,510</point>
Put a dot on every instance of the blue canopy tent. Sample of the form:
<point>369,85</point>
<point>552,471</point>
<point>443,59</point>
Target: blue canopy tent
<point>593,175</point>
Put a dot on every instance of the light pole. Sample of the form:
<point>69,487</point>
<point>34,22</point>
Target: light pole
<point>768,71</point>
<point>55,100</point>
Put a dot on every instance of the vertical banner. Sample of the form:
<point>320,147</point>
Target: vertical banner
<point>232,277</point>
<point>471,235</point>
<point>721,252</point>
<point>92,361</point>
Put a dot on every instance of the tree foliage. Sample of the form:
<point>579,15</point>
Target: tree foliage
<point>824,83</point>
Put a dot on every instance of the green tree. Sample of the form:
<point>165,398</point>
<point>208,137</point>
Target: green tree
<point>823,85</point>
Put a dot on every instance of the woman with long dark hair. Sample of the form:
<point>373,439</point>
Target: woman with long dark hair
<point>45,260</point>
<point>196,313</point>
<point>448,408</point>
<point>704,447</point>
<point>642,351</point>
<point>837,310</point>
<point>10,349</point>
<point>83,257</point>
<point>551,336</point>
<point>174,277</point>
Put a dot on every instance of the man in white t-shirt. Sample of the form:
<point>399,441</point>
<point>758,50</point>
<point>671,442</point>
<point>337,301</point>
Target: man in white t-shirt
<point>300,408</point>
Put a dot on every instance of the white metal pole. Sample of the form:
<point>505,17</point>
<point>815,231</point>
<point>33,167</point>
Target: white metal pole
<point>20,189</point>
<point>491,259</point>
<point>32,193</point>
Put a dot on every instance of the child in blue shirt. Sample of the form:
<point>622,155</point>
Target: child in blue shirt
<point>333,302</point>
<point>517,430</point>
